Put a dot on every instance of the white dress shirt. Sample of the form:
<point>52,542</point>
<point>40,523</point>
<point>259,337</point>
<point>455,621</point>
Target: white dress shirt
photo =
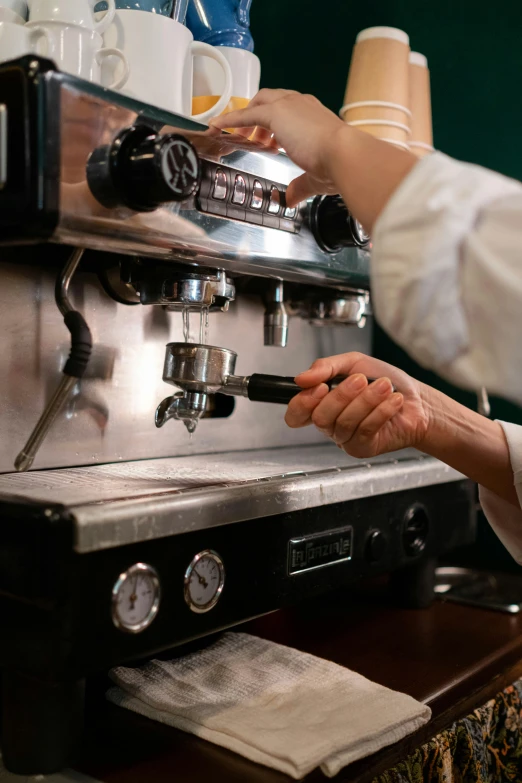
<point>447,286</point>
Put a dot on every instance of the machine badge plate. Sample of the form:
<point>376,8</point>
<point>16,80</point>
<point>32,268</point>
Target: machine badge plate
<point>320,550</point>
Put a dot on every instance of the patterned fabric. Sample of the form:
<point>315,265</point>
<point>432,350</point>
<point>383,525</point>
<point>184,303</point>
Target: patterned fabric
<point>485,747</point>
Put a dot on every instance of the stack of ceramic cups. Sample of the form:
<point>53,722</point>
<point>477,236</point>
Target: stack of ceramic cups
<point>15,40</point>
<point>224,24</point>
<point>65,31</point>
<point>161,52</point>
<point>382,96</point>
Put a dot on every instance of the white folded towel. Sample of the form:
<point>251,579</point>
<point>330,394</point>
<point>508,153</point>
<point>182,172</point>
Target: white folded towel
<point>274,705</point>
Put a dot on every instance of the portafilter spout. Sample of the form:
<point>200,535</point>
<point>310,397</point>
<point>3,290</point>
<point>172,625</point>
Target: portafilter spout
<point>199,370</point>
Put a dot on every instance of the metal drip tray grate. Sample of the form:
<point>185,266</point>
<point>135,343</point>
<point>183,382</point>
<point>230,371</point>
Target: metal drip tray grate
<point>123,503</point>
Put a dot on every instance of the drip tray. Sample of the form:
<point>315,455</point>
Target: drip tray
<point>123,503</point>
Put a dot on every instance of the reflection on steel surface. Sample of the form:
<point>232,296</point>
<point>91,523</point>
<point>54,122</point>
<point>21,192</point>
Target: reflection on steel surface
<point>180,231</point>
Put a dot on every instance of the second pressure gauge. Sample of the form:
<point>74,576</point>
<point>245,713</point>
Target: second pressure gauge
<point>204,581</point>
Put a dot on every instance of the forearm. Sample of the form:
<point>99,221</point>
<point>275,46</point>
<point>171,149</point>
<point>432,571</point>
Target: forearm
<point>366,171</point>
<point>468,442</point>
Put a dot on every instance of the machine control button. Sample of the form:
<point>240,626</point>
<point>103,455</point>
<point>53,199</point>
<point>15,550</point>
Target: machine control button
<point>415,530</point>
<point>240,190</point>
<point>258,195</point>
<point>135,598</point>
<point>376,546</point>
<point>220,185</point>
<point>142,170</point>
<point>334,227</point>
<point>275,201</point>
<point>204,581</point>
<point>290,213</point>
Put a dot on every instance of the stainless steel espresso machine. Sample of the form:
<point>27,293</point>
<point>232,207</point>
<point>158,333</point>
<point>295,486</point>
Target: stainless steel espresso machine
<point>166,498</point>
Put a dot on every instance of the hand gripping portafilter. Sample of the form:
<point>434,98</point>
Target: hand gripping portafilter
<point>200,370</point>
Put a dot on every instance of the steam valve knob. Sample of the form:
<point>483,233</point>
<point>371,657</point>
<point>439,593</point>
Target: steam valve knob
<point>335,227</point>
<point>142,170</point>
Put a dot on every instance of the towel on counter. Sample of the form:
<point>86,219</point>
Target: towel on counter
<point>272,704</point>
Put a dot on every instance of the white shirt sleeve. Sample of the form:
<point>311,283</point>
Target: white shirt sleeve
<point>446,273</point>
<point>505,519</point>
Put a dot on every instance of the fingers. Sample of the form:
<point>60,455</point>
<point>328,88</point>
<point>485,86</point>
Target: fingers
<point>257,113</point>
<point>299,189</point>
<point>346,424</point>
<point>324,370</point>
<point>326,412</point>
<point>250,117</point>
<point>265,96</point>
<point>300,409</point>
<point>370,427</point>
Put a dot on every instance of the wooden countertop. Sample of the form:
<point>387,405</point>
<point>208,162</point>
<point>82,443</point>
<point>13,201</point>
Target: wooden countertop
<point>453,657</point>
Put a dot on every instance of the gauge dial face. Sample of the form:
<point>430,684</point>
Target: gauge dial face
<point>135,598</point>
<point>204,581</point>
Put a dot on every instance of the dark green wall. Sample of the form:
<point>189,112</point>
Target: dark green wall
<point>474,50</point>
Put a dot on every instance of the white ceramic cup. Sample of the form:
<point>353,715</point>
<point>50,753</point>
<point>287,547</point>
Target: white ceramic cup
<point>79,51</point>
<point>246,73</point>
<point>17,40</point>
<point>78,12</point>
<point>6,15</point>
<point>17,6</point>
<point>160,52</point>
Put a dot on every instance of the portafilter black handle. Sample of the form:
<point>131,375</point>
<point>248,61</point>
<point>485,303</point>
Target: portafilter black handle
<point>277,389</point>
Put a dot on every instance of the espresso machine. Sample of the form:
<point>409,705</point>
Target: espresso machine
<point>150,493</point>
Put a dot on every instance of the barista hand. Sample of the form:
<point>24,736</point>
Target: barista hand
<point>362,419</point>
<point>366,420</point>
<point>302,126</point>
<point>335,157</point>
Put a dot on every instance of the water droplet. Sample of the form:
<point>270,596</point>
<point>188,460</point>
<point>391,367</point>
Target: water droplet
<point>191,425</point>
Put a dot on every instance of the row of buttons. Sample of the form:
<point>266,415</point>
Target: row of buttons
<point>245,197</point>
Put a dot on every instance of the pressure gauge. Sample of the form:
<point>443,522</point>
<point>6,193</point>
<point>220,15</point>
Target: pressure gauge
<point>204,581</point>
<point>135,598</point>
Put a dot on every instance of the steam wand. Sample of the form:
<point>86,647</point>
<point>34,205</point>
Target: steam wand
<point>81,347</point>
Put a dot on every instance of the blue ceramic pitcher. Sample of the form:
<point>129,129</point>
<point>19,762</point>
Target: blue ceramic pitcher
<point>163,7</point>
<point>221,22</point>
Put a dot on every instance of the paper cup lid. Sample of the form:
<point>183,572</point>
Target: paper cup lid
<point>418,59</point>
<point>383,32</point>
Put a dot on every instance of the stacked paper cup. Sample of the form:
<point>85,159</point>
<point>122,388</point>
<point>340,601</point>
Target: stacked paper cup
<point>421,141</point>
<point>377,94</point>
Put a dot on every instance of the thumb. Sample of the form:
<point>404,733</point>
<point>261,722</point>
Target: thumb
<point>299,189</point>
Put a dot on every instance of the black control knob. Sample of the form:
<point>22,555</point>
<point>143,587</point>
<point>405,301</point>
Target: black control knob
<point>334,227</point>
<point>142,170</point>
<point>376,546</point>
